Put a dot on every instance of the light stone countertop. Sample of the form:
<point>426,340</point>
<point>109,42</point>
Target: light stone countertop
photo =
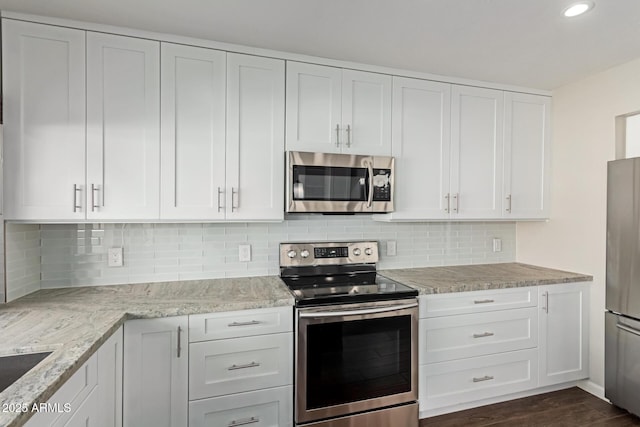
<point>465,278</point>
<point>75,322</point>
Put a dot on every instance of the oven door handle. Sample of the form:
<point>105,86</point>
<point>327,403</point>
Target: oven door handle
<point>357,312</point>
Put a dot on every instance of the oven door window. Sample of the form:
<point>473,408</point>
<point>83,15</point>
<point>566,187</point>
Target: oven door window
<point>327,183</point>
<point>357,360</point>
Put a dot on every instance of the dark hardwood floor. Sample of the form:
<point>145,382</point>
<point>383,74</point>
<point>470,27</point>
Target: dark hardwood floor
<point>570,407</point>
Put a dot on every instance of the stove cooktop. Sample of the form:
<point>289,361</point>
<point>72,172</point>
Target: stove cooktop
<point>337,273</point>
<point>324,292</point>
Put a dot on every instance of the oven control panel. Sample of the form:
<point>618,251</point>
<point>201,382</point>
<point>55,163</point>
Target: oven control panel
<point>328,253</point>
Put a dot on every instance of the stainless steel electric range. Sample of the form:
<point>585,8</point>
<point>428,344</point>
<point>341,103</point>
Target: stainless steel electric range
<point>356,353</point>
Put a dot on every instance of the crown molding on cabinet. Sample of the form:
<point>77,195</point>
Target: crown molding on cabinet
<point>261,52</point>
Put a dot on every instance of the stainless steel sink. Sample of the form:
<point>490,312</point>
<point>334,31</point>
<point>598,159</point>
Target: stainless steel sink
<point>15,366</point>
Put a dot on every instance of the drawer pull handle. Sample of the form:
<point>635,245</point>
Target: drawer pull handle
<point>483,335</point>
<point>244,421</point>
<point>485,378</point>
<point>248,365</point>
<point>252,322</point>
<point>483,301</point>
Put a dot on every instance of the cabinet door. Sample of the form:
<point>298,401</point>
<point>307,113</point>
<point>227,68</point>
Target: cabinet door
<point>526,156</point>
<point>44,121</point>
<point>156,372</point>
<point>87,414</point>
<point>255,138</point>
<point>564,333</point>
<point>271,407</point>
<point>421,144</point>
<point>476,152</point>
<point>366,113</point>
<point>110,381</point>
<point>123,123</point>
<point>314,119</point>
<point>193,133</point>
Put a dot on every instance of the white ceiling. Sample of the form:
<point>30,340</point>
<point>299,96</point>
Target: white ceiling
<point>518,42</point>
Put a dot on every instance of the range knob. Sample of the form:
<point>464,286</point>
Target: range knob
<point>368,251</point>
<point>291,253</point>
<point>357,251</point>
<point>304,253</point>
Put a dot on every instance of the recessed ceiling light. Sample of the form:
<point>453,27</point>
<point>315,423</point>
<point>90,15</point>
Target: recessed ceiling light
<point>578,9</point>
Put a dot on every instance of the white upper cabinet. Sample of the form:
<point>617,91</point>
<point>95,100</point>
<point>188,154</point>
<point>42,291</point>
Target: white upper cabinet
<point>366,113</point>
<point>222,135</point>
<point>123,127</point>
<point>44,121</point>
<point>526,156</point>
<point>314,104</point>
<point>255,138</point>
<point>421,144</point>
<point>333,110</point>
<point>476,153</point>
<point>193,94</point>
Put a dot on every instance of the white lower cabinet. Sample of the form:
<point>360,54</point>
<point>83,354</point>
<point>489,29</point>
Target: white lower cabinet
<point>465,380</point>
<point>486,344</point>
<point>156,364</point>
<point>92,396</point>
<point>241,368</point>
<point>262,408</point>
<point>212,369</point>
<point>235,365</point>
<point>564,333</point>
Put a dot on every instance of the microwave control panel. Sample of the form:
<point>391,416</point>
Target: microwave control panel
<point>381,185</point>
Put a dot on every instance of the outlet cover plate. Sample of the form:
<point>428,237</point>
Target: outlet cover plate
<point>114,257</point>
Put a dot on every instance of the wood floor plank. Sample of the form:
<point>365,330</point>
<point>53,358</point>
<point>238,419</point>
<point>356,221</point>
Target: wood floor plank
<point>570,407</point>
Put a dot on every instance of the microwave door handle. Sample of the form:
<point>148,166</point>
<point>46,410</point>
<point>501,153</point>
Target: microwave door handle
<point>370,198</point>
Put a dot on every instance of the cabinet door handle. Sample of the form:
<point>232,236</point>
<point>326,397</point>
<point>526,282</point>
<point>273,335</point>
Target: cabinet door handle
<point>249,323</point>
<point>483,335</point>
<point>348,135</point>
<point>456,203</point>
<point>546,302</point>
<point>483,301</point>
<point>338,135</point>
<point>220,191</point>
<point>245,366</point>
<point>94,190</point>
<point>235,199</point>
<point>179,339</point>
<point>243,422</point>
<point>509,203</point>
<point>448,203</point>
<point>76,190</point>
<point>485,378</point>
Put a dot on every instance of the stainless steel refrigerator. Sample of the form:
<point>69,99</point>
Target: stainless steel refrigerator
<point>622,319</point>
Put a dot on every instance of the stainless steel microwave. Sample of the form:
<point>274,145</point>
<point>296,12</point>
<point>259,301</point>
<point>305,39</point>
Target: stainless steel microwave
<point>339,183</point>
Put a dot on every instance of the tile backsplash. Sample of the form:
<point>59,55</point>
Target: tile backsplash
<point>22,268</point>
<point>61,255</point>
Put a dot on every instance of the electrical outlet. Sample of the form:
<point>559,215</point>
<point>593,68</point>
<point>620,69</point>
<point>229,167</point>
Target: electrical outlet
<point>497,244</point>
<point>391,248</point>
<point>114,257</point>
<point>244,252</point>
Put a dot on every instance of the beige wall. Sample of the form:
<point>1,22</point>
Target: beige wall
<point>583,141</point>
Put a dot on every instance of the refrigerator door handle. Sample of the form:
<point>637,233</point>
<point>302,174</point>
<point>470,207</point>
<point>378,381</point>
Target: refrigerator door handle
<point>628,329</point>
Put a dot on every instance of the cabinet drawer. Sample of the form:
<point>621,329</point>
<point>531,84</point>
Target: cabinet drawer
<point>450,383</point>
<point>264,408</point>
<point>469,335</point>
<point>477,301</point>
<point>240,364</point>
<point>215,326</point>
<point>72,393</point>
